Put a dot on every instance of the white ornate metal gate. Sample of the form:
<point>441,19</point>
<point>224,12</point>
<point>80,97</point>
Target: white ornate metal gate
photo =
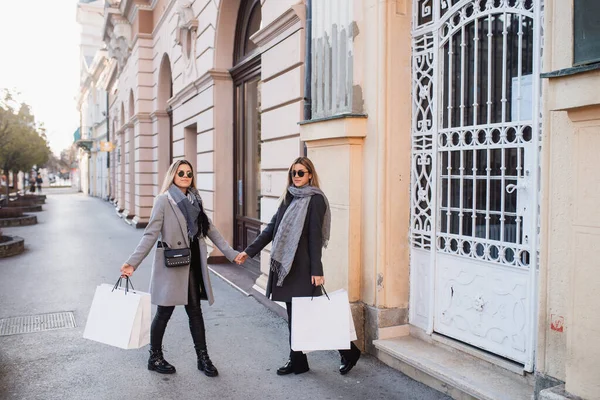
<point>475,171</point>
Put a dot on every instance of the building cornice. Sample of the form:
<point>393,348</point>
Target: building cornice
<point>140,117</point>
<point>130,8</point>
<point>140,36</point>
<point>199,85</point>
<point>288,23</point>
<point>155,115</point>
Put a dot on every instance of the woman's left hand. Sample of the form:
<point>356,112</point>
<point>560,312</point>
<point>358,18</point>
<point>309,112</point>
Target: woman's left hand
<point>318,280</point>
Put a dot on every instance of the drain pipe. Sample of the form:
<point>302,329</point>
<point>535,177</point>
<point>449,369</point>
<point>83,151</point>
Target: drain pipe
<point>307,65</point>
<point>108,154</point>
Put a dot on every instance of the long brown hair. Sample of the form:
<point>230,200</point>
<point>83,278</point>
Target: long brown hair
<point>310,167</point>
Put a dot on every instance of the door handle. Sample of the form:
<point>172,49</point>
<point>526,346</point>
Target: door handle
<point>522,184</point>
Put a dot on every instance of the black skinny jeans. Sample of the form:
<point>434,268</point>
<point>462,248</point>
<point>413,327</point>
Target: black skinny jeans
<point>193,308</point>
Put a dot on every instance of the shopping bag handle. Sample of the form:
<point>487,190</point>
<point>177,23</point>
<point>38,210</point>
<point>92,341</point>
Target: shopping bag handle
<point>127,284</point>
<point>324,291</point>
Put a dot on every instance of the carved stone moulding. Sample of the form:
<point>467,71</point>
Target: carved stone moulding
<point>119,45</point>
<point>186,36</point>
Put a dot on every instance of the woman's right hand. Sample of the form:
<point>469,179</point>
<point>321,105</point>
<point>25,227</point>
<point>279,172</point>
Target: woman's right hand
<point>241,258</point>
<point>126,270</point>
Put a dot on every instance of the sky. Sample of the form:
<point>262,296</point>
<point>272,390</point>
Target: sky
<point>39,58</point>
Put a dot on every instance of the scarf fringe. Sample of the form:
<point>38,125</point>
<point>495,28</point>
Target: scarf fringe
<point>277,267</point>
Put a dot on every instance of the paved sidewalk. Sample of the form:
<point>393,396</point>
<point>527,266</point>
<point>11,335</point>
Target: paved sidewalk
<point>79,243</point>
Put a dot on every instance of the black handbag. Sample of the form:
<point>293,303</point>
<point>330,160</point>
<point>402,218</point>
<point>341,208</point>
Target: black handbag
<point>175,257</point>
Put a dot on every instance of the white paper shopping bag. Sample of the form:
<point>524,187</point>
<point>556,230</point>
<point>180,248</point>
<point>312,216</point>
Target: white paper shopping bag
<point>321,323</point>
<point>119,318</point>
<point>352,327</point>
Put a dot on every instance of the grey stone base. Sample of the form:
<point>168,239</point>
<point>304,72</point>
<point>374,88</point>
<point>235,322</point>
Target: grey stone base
<point>139,225</point>
<point>12,247</point>
<point>557,393</point>
<point>19,221</point>
<point>375,318</point>
<point>543,381</point>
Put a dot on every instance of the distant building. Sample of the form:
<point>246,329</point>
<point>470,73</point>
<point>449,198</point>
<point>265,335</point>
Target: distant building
<point>95,67</point>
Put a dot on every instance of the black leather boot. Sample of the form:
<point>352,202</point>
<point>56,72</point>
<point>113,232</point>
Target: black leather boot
<point>157,363</point>
<point>204,363</point>
<point>297,363</point>
<point>287,369</point>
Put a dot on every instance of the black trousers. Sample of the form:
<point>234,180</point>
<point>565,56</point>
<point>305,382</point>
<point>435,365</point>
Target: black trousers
<point>193,309</point>
<point>299,360</point>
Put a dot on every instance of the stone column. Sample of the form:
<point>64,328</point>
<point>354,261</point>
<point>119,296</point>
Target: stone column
<point>121,172</point>
<point>161,146</point>
<point>143,169</point>
<point>335,146</point>
<point>222,205</point>
<point>129,212</point>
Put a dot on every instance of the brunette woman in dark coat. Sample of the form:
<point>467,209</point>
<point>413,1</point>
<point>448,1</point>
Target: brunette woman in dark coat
<point>299,230</point>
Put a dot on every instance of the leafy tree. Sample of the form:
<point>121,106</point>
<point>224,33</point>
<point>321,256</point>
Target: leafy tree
<point>23,143</point>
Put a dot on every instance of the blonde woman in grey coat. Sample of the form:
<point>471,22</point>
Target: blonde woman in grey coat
<point>179,219</point>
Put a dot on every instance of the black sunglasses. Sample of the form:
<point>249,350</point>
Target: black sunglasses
<point>299,173</point>
<point>181,174</point>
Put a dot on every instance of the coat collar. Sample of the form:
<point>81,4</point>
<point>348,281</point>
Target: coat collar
<point>180,217</point>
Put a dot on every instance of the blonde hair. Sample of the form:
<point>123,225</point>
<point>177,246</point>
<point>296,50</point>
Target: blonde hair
<point>170,177</point>
<point>310,167</point>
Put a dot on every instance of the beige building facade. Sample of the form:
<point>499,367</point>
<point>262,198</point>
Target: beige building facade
<point>459,172</point>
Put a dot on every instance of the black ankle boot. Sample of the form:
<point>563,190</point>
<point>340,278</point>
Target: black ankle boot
<point>157,363</point>
<point>287,369</point>
<point>204,363</point>
<point>297,363</point>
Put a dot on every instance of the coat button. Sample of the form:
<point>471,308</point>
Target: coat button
<point>178,243</point>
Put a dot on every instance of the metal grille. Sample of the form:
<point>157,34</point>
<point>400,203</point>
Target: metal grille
<point>473,129</point>
<point>422,141</point>
<point>36,323</point>
<point>485,144</point>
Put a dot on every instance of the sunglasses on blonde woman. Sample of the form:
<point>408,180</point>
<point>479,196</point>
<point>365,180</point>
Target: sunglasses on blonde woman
<point>181,174</point>
<point>299,173</point>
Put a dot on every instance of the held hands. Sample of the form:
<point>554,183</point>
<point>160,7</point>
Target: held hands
<point>126,270</point>
<point>318,280</point>
<point>241,258</point>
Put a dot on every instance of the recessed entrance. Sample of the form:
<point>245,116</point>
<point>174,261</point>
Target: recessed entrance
<point>247,131</point>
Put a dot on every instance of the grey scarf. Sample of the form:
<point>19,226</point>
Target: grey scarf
<point>290,229</point>
<point>189,206</point>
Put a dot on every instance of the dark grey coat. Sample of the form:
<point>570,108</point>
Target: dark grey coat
<point>169,286</point>
<point>307,261</point>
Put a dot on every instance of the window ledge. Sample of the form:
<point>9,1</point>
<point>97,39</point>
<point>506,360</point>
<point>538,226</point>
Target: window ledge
<point>571,71</point>
<point>332,117</point>
<point>344,127</point>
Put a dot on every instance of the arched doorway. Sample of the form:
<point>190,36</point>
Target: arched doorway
<point>247,134</point>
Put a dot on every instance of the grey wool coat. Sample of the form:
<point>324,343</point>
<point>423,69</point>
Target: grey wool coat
<point>169,286</point>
